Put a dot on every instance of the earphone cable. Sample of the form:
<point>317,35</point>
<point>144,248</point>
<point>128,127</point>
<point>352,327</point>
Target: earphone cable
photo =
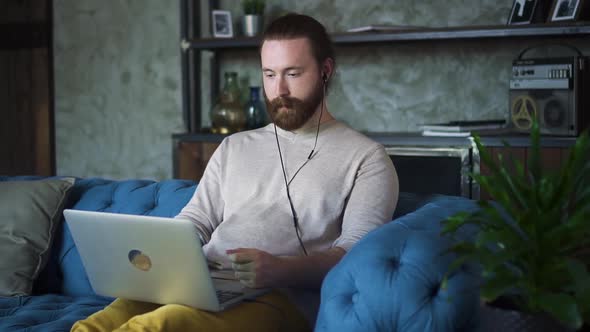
<point>287,182</point>
<point>317,132</point>
<point>295,220</point>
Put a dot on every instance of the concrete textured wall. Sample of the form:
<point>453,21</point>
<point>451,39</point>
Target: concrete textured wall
<point>117,87</point>
<point>118,74</point>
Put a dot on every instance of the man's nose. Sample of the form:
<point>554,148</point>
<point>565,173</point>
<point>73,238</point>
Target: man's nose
<point>282,87</point>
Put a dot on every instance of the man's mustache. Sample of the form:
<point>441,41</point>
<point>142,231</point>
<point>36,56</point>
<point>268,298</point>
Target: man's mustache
<point>287,102</point>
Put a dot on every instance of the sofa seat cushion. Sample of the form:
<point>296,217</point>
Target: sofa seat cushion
<point>49,312</point>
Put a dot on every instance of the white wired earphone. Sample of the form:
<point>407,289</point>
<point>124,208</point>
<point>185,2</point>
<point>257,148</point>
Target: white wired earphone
<point>293,213</point>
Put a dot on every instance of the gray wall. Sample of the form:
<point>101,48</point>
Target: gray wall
<point>117,87</point>
<point>118,75</point>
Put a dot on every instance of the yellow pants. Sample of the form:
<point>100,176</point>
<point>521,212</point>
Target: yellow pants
<point>276,314</point>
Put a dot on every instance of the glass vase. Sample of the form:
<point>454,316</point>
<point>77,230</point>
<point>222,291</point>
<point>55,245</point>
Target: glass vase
<point>228,116</point>
<point>255,111</point>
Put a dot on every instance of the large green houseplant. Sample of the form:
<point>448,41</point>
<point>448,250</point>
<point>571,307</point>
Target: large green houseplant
<point>533,239</point>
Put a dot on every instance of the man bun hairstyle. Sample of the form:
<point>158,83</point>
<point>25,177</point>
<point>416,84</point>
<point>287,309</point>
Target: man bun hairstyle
<point>292,26</point>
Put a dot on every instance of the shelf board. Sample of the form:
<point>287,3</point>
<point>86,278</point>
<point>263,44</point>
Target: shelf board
<point>416,139</point>
<point>429,34</point>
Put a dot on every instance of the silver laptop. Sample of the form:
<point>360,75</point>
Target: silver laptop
<point>151,259</point>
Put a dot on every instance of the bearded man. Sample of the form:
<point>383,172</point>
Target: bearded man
<point>282,204</point>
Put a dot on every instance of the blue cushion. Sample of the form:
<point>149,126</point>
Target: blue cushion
<point>391,280</point>
<point>47,312</point>
<point>142,197</point>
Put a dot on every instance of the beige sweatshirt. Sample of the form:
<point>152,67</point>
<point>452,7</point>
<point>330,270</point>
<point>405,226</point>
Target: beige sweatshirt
<point>348,188</point>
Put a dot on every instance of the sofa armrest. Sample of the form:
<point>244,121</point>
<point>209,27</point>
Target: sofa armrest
<point>391,280</point>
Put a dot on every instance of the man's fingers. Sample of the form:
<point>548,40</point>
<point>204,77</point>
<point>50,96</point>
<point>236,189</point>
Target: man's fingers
<point>243,267</point>
<point>248,283</point>
<point>245,276</point>
<point>240,258</point>
<point>240,255</point>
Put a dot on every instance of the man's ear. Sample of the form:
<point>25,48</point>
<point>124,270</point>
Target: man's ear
<point>327,69</point>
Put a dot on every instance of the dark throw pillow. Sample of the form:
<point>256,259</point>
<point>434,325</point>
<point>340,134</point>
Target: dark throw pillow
<point>30,213</point>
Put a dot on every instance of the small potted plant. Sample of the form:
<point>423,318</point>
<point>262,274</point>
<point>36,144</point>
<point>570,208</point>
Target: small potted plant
<point>253,17</point>
<point>532,241</point>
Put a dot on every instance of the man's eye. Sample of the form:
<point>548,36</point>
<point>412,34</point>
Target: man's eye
<point>269,75</point>
<point>293,74</point>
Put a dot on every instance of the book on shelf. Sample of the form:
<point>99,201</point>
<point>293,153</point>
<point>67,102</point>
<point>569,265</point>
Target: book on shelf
<point>446,133</point>
<point>384,27</point>
<point>464,126</point>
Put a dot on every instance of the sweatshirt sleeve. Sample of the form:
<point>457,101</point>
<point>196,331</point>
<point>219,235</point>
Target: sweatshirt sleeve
<point>205,208</point>
<point>372,199</point>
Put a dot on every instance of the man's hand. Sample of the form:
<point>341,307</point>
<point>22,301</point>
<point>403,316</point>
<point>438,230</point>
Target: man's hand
<point>259,269</point>
<point>256,268</point>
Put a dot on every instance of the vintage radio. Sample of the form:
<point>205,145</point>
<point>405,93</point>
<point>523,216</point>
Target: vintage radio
<point>555,91</point>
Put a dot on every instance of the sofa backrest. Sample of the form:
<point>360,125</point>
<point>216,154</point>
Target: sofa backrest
<point>65,273</point>
<point>392,279</point>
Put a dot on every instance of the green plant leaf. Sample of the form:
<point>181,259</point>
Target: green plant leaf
<point>563,307</point>
<point>509,246</point>
<point>455,265</point>
<point>518,201</point>
<point>537,244</point>
<point>454,222</point>
<point>581,202</point>
<point>498,284</point>
<point>490,216</point>
<point>534,164</point>
<point>583,298</point>
<point>575,165</point>
<point>579,272</point>
<point>462,248</point>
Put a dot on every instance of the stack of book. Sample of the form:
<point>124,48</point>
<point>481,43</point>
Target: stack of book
<point>384,28</point>
<point>461,128</point>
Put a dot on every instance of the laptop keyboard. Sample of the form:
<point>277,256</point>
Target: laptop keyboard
<point>224,295</point>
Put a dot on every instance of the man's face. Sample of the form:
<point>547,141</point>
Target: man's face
<point>292,84</point>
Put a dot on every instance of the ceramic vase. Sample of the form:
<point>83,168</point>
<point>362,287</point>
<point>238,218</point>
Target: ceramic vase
<point>228,115</point>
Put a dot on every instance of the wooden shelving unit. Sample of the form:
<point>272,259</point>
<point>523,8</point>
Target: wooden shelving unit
<point>192,48</point>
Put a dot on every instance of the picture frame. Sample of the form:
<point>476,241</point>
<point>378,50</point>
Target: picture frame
<point>566,10</point>
<point>222,24</point>
<point>523,12</point>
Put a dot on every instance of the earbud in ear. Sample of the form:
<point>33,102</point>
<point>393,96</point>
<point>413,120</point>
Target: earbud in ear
<point>325,77</point>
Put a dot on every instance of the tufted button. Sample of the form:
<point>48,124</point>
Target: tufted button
<point>394,263</point>
<point>434,290</point>
<point>355,297</point>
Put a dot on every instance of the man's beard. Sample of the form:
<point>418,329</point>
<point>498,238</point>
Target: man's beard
<point>296,111</point>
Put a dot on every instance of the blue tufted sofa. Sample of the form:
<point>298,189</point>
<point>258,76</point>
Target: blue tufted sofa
<point>390,281</point>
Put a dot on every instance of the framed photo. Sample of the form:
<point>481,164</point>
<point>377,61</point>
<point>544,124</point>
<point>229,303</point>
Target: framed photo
<point>523,11</point>
<point>566,10</point>
<point>222,24</point>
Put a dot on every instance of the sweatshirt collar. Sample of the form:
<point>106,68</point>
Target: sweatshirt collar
<point>308,131</point>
